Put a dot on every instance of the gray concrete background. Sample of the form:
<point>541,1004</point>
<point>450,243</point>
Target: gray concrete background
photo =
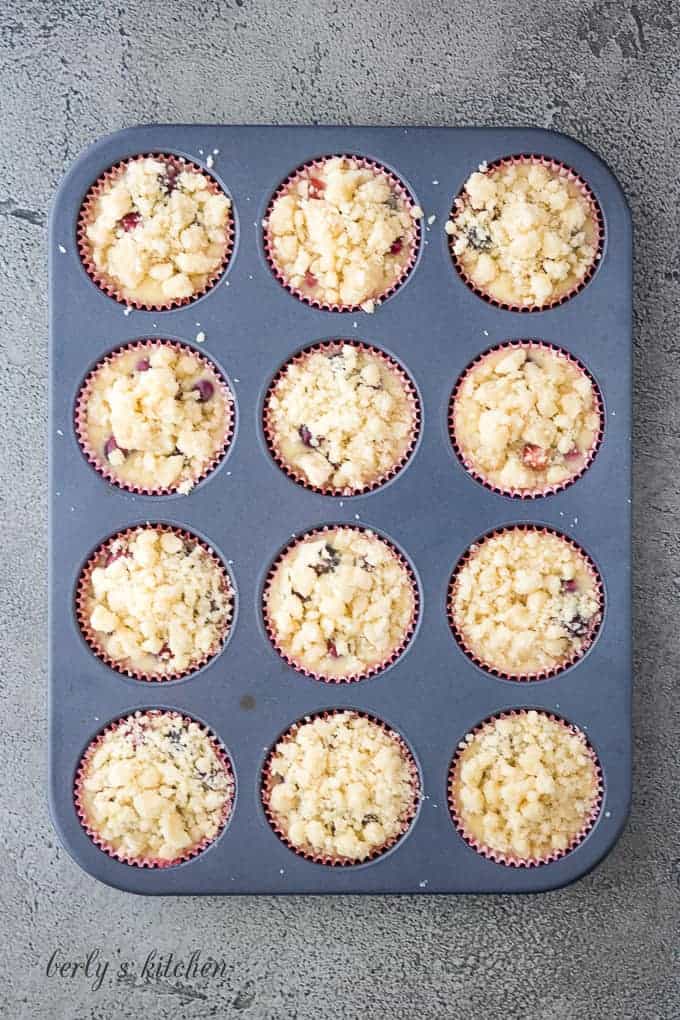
<point>605,72</point>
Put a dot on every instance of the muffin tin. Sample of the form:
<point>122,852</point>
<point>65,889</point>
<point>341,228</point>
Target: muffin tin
<point>248,509</point>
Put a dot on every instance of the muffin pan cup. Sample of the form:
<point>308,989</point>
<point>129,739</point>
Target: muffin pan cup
<point>248,510</point>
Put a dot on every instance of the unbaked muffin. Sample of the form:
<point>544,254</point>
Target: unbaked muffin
<point>342,232</point>
<point>526,418</point>
<point>341,417</point>
<point>340,603</point>
<point>155,417</point>
<point>525,232</point>
<point>155,603</point>
<point>340,787</point>
<point>155,231</point>
<point>525,602</point>
<point>524,787</point>
<point>155,788</point>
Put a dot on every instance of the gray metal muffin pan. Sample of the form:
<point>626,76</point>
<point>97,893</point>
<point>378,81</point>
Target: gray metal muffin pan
<point>248,509</point>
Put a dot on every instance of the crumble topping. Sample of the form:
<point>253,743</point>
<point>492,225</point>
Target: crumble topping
<point>157,602</point>
<point>157,416</point>
<point>525,785</point>
<point>523,233</point>
<point>159,232</point>
<point>525,601</point>
<point>155,787</point>
<point>341,417</point>
<point>340,603</point>
<point>526,418</point>
<point>341,233</point>
<point>342,786</point>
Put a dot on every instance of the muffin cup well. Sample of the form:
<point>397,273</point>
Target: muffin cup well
<point>513,860</point>
<point>87,213</point>
<point>99,557</point>
<point>268,783</point>
<point>566,172</point>
<point>143,346</point>
<point>391,365</point>
<point>589,456</point>
<point>403,194</point>
<point>150,862</point>
<point>570,660</point>
<point>372,670</point>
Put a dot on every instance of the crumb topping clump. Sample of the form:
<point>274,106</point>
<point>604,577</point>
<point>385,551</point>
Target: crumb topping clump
<point>158,603</point>
<point>159,232</point>
<point>341,233</point>
<point>525,601</point>
<point>526,418</point>
<point>156,416</point>
<point>523,233</point>
<point>154,787</point>
<point>340,603</point>
<point>341,417</point>
<point>525,785</point>
<point>341,786</point>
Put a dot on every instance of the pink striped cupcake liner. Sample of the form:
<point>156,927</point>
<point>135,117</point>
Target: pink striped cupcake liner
<point>514,860</point>
<point>137,718</point>
<point>88,212</point>
<point>269,781</point>
<point>565,172</point>
<point>589,455</point>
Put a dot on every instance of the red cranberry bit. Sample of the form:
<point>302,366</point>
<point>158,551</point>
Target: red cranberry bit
<point>332,650</point>
<point>205,390</point>
<point>110,445</point>
<point>310,279</point>
<point>568,586</point>
<point>305,435</point>
<point>316,187</point>
<point>130,221</point>
<point>170,177</point>
<point>143,365</point>
<point>535,457</point>
<point>397,246</point>
<point>165,651</point>
<point>573,454</point>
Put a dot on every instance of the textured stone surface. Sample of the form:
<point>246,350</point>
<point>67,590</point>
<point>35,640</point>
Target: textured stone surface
<point>605,72</point>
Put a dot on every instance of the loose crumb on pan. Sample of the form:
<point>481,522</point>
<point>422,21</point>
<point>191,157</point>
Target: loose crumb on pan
<point>158,232</point>
<point>525,601</point>
<point>154,787</point>
<point>340,603</point>
<point>524,233</point>
<point>157,602</point>
<point>156,416</point>
<point>525,785</point>
<point>341,417</point>
<point>526,418</point>
<point>341,233</point>
<point>341,785</point>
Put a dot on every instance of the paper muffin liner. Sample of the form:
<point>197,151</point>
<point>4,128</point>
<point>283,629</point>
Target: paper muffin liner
<point>99,558</point>
<point>397,186</point>
<point>391,365</point>
<point>565,171</point>
<point>88,211</point>
<point>371,671</point>
<point>569,660</point>
<point>509,859</point>
<point>99,461</point>
<point>336,860</point>
<point>141,861</point>
<point>589,456</point>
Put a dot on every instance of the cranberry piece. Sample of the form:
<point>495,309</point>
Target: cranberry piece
<point>165,651</point>
<point>569,586</point>
<point>305,435</point>
<point>205,390</point>
<point>396,246</point>
<point>170,178</point>
<point>110,445</point>
<point>535,457</point>
<point>332,650</point>
<point>310,279</point>
<point>130,221</point>
<point>143,365</point>
<point>316,187</point>
<point>573,454</point>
